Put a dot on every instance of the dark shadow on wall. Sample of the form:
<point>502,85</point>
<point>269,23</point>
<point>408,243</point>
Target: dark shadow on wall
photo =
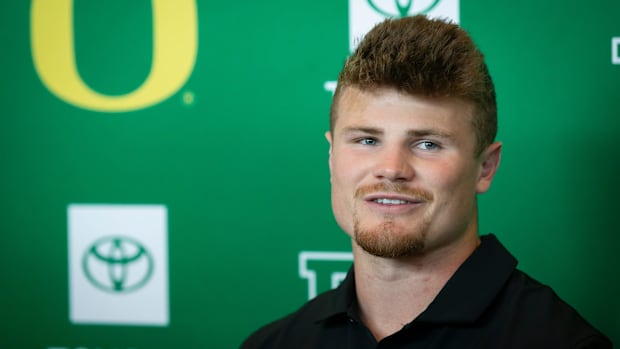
<point>589,172</point>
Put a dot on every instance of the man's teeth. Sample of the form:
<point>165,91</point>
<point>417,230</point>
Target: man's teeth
<point>391,201</point>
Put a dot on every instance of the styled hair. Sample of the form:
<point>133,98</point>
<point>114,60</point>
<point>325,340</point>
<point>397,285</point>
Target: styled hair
<point>424,57</point>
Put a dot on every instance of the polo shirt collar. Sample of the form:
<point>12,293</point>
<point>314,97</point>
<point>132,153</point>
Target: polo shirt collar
<point>475,284</point>
<point>463,299</point>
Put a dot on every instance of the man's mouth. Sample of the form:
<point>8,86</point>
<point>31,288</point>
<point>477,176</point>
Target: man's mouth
<point>385,201</point>
<point>389,194</point>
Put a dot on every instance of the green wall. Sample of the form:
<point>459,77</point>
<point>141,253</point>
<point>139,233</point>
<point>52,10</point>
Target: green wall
<point>237,156</point>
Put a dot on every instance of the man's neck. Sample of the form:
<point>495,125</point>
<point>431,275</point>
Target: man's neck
<point>393,292</point>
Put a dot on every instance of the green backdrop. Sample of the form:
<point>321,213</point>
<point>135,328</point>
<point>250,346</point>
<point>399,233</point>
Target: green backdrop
<point>237,156</point>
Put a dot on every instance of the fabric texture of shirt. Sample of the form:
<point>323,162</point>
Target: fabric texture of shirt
<point>487,303</point>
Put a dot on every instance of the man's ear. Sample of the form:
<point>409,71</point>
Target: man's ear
<point>490,159</point>
<point>328,136</point>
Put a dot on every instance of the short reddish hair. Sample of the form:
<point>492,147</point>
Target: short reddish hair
<point>424,57</point>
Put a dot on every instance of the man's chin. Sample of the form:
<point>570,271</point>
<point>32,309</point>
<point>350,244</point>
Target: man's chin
<point>390,244</point>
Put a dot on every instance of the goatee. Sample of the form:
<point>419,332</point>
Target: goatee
<point>388,239</point>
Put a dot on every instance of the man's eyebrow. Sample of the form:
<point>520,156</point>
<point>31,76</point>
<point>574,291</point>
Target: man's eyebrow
<point>362,129</point>
<point>411,133</point>
<point>429,132</point>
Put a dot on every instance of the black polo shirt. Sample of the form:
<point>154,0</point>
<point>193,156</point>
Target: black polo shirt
<point>487,303</point>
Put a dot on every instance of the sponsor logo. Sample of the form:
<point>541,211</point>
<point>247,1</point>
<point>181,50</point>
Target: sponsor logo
<point>175,44</point>
<point>402,9</point>
<point>365,14</point>
<point>323,270</point>
<point>615,50</point>
<point>118,264</point>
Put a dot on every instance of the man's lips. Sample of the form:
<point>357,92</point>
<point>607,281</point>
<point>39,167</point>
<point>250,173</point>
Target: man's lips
<point>393,199</point>
<point>393,195</point>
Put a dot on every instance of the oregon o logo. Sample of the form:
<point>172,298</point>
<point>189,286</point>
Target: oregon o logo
<point>174,54</point>
<point>402,10</point>
<point>117,264</point>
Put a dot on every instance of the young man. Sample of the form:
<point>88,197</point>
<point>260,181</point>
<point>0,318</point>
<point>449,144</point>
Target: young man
<point>412,143</point>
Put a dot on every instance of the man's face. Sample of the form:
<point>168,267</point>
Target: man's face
<point>404,171</point>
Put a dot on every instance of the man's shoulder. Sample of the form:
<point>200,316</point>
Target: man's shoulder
<point>299,323</point>
<point>268,335</point>
<point>530,298</point>
<point>536,309</point>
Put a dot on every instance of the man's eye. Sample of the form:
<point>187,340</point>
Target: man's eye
<point>427,145</point>
<point>367,141</point>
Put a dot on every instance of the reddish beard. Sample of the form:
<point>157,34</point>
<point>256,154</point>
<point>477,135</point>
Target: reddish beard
<point>389,239</point>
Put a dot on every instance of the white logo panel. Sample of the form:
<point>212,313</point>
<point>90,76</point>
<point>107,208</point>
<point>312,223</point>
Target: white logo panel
<point>364,14</point>
<point>323,270</point>
<point>118,264</point>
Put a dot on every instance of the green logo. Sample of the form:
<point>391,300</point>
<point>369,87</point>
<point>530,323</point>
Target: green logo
<point>117,264</point>
<point>403,10</point>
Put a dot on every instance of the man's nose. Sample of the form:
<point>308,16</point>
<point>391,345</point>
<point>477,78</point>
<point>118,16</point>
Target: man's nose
<point>394,164</point>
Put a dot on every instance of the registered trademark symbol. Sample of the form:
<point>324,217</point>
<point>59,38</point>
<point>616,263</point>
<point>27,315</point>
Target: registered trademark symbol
<point>188,98</point>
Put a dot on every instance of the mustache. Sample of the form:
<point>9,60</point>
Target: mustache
<point>390,187</point>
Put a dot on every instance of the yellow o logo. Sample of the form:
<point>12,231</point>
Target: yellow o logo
<point>174,54</point>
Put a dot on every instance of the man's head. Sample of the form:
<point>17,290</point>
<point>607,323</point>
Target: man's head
<point>411,139</point>
<point>423,57</point>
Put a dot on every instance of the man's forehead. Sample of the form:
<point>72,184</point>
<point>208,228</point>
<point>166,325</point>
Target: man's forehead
<point>356,93</point>
<point>353,100</point>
